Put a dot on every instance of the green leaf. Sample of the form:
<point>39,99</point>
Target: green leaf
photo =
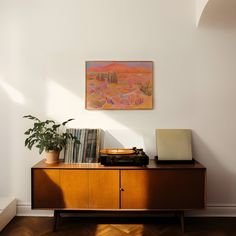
<point>31,117</point>
<point>46,135</point>
<point>56,126</point>
<point>49,121</point>
<point>65,122</point>
<point>26,142</point>
<point>28,131</point>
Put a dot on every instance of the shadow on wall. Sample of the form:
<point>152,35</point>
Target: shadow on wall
<point>5,152</point>
<point>138,138</point>
<point>220,179</point>
<point>219,14</point>
<point>110,141</point>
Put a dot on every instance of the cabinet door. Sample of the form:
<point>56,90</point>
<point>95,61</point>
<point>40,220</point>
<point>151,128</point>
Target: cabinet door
<point>162,189</point>
<point>74,187</point>
<point>104,189</point>
<point>46,192</point>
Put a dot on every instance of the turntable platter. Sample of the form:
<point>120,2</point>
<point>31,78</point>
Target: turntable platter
<point>116,151</point>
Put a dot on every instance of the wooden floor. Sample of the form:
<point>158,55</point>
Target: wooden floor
<point>42,226</point>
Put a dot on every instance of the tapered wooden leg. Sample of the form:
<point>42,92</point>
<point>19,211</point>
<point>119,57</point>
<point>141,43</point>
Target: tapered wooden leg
<point>56,220</point>
<point>182,221</point>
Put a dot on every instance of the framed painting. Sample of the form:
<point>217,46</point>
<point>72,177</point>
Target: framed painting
<point>119,85</point>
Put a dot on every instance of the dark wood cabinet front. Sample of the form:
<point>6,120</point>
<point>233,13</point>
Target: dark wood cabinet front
<point>46,191</point>
<point>162,189</point>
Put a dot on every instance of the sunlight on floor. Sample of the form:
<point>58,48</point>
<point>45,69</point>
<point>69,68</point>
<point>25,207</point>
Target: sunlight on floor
<point>13,93</point>
<point>119,229</point>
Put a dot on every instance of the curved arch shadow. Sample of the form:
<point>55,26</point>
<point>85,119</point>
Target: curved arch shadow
<point>218,14</point>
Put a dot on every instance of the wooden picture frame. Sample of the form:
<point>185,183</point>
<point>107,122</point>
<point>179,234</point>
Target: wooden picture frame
<point>119,85</point>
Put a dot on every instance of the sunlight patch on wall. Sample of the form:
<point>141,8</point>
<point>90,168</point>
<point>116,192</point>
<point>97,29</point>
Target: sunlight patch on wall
<point>13,93</point>
<point>60,101</point>
<point>63,104</point>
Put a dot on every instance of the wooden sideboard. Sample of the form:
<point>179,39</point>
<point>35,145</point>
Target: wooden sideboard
<point>163,187</point>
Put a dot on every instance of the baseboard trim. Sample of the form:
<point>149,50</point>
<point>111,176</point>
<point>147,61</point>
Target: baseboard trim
<point>215,210</point>
<point>24,209</point>
<point>212,210</point>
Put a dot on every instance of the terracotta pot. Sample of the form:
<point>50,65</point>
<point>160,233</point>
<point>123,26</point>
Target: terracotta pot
<point>52,157</point>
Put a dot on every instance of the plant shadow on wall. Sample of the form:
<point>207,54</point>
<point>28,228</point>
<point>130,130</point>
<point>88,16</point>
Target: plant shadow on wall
<point>48,136</point>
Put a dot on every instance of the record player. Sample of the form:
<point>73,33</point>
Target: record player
<point>124,157</point>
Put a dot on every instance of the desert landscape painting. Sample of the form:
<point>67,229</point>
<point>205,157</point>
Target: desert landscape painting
<point>119,85</point>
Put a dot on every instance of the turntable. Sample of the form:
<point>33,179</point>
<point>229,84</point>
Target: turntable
<point>123,157</point>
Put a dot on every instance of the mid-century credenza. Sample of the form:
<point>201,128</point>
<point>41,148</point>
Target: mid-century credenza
<point>156,187</point>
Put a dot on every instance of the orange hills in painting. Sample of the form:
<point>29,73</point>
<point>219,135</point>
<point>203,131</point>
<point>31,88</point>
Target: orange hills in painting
<point>121,68</point>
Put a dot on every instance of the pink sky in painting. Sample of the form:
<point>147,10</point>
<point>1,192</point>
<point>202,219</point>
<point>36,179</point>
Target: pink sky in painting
<point>95,64</point>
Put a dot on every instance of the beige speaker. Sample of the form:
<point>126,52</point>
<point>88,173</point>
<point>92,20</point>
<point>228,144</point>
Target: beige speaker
<point>174,144</point>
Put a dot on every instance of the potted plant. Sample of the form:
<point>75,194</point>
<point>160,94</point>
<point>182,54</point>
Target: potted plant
<point>48,136</point>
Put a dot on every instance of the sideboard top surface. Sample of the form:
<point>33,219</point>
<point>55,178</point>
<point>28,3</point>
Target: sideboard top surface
<point>152,165</point>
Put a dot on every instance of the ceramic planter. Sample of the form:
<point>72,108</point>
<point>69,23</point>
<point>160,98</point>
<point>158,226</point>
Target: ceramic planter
<point>52,157</point>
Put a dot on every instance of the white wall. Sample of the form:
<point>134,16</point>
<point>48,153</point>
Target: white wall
<point>43,48</point>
